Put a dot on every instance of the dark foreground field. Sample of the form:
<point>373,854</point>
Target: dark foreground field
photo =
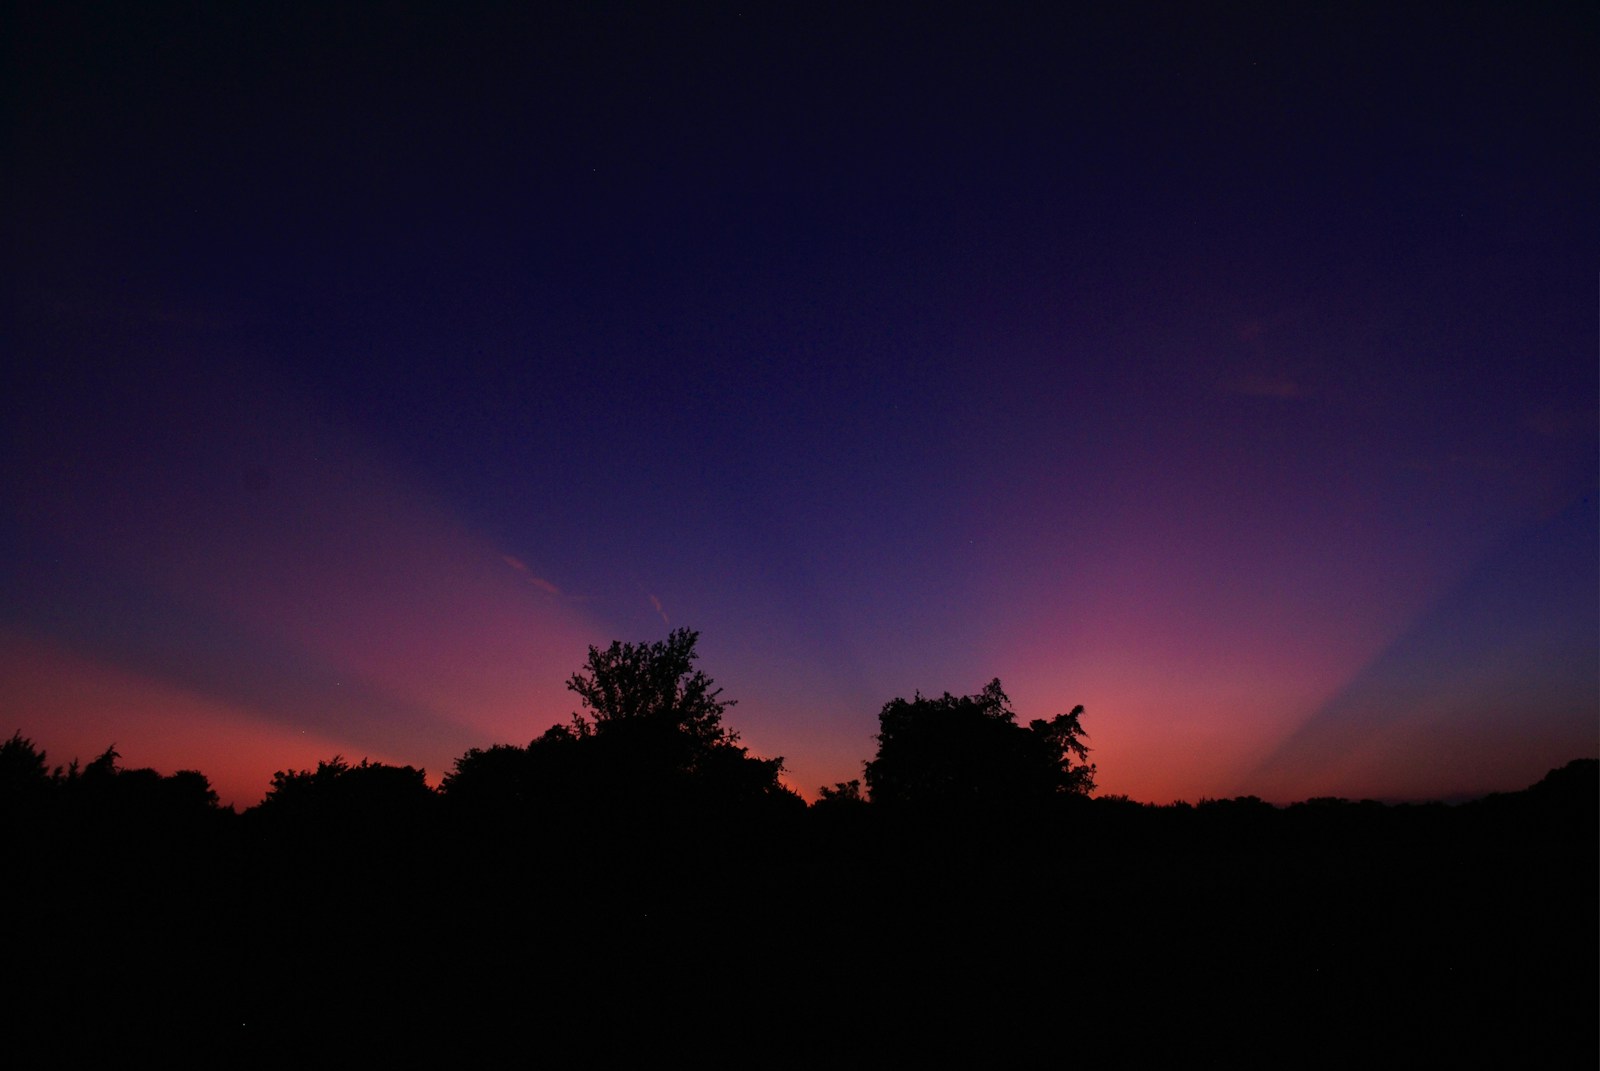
<point>1326,934</point>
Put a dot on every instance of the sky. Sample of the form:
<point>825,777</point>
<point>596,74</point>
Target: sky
<point>1230,370</point>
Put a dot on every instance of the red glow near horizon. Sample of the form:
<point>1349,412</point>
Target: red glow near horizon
<point>388,630</point>
<point>84,707</point>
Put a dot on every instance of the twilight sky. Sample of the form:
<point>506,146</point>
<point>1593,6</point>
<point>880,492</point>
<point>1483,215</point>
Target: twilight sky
<point>1230,370</point>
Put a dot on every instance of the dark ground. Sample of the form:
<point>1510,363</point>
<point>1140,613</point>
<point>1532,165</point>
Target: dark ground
<point>1318,935</point>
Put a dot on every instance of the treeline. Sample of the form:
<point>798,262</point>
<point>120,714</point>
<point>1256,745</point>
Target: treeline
<point>617,787</point>
<point>650,744</point>
<point>554,778</point>
<point>636,883</point>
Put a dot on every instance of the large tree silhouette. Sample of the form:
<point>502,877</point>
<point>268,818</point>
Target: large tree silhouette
<point>650,735</point>
<point>969,751</point>
<point>632,684</point>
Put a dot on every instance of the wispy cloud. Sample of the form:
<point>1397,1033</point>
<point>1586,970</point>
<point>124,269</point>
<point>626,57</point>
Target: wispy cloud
<point>657,604</point>
<point>537,581</point>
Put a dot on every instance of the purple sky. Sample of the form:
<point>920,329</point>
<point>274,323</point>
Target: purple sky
<point>1230,372</point>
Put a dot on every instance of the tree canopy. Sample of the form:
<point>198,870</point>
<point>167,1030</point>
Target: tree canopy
<point>629,684</point>
<point>336,788</point>
<point>23,770</point>
<point>969,750</point>
<point>650,732</point>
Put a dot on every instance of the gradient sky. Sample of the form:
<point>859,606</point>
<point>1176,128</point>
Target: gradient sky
<point>1231,371</point>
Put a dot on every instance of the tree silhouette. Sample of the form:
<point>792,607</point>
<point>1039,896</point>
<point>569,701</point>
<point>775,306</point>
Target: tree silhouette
<point>654,730</point>
<point>337,790</point>
<point>105,788</point>
<point>842,793</point>
<point>650,738</point>
<point>23,771</point>
<point>499,778</point>
<point>970,751</point>
<point>628,685</point>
